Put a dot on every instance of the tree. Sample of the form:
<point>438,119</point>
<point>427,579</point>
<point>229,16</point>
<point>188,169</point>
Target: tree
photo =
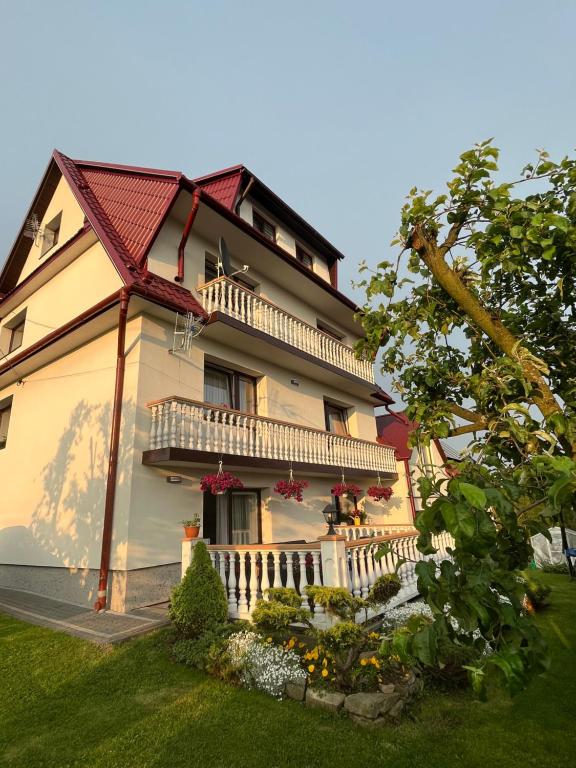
<point>480,341</point>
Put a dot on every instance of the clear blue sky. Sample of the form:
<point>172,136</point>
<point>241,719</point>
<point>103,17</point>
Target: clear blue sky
<point>340,107</point>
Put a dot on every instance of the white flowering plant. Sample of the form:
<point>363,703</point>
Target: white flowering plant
<point>262,665</point>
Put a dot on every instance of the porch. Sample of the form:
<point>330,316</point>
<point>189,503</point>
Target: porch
<point>247,571</point>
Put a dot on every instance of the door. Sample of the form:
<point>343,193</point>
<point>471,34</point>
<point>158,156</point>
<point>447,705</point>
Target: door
<point>244,517</point>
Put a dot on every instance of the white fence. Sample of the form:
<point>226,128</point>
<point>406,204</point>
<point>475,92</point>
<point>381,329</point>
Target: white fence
<point>224,295</point>
<point>182,423</point>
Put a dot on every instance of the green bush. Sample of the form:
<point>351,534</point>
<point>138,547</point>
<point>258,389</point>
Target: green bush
<point>554,567</point>
<point>285,596</point>
<point>342,636</point>
<point>536,592</point>
<point>198,603</point>
<point>273,616</point>
<point>336,601</point>
<point>384,589</point>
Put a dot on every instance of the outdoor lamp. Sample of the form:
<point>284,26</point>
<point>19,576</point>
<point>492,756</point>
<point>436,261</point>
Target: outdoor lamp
<point>331,516</point>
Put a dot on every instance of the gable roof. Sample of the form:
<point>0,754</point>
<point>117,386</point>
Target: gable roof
<point>394,429</point>
<point>125,207</point>
<point>228,185</point>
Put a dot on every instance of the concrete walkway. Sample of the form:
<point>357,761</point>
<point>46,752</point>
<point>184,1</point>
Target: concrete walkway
<point>103,627</point>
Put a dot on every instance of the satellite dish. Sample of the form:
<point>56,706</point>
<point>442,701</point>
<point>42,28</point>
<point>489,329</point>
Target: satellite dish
<point>225,257</point>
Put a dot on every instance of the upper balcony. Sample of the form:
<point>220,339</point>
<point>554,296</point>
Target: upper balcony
<point>225,297</point>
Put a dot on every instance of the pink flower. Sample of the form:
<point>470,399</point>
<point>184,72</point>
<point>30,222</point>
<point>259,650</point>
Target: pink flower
<point>343,489</point>
<point>219,483</point>
<point>378,493</point>
<point>291,489</point>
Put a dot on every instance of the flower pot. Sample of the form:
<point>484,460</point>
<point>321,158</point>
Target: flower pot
<point>191,531</point>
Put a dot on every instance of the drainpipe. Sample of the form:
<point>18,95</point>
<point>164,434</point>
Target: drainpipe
<point>243,195</point>
<point>410,488</point>
<point>187,227</point>
<point>107,527</point>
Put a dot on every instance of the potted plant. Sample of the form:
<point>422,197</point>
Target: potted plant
<point>291,489</point>
<point>191,527</point>
<point>218,483</point>
<point>378,493</point>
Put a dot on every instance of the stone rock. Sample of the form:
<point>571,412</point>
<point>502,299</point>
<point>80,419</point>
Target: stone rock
<point>296,689</point>
<point>390,700</point>
<point>386,688</point>
<point>331,701</point>
<point>366,723</point>
<point>396,710</point>
<point>366,705</point>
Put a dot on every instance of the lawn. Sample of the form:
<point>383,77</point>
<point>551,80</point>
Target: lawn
<point>65,702</point>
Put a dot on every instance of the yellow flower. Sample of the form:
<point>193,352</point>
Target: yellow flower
<point>314,653</point>
<point>311,668</point>
<point>325,673</point>
<point>301,645</point>
<point>363,662</point>
<point>290,643</point>
<point>374,636</point>
<point>324,662</point>
<point>268,639</point>
<point>375,662</point>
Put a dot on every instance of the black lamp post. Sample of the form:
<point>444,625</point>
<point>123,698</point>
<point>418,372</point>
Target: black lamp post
<point>331,516</point>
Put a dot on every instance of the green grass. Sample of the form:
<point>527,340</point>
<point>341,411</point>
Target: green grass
<point>65,702</point>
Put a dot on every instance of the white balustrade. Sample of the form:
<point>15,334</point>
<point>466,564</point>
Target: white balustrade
<point>230,298</point>
<point>181,423</point>
<point>354,532</point>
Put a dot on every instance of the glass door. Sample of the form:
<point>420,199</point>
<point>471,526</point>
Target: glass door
<point>244,517</point>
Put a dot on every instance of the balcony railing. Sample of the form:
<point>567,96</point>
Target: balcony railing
<point>182,423</point>
<point>226,296</point>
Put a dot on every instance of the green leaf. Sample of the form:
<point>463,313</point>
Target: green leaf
<point>473,495</point>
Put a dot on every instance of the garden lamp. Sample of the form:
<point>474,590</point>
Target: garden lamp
<point>331,516</point>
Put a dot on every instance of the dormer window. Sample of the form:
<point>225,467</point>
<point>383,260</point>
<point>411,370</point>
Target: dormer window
<point>51,234</point>
<point>264,226</point>
<point>304,258</point>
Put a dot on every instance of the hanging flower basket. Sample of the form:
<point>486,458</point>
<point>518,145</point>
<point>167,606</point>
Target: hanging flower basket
<point>219,483</point>
<point>291,489</point>
<point>378,493</point>
<point>346,489</point>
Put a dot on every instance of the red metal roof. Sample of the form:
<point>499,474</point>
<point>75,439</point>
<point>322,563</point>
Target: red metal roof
<point>133,204</point>
<point>394,429</point>
<point>224,189</point>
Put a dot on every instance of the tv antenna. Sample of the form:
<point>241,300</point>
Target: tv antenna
<point>186,328</point>
<point>32,229</point>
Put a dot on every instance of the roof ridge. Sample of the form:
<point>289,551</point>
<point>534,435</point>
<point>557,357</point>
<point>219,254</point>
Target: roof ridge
<point>137,169</point>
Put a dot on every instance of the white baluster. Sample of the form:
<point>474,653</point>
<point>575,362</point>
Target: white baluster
<point>232,601</point>
<point>264,578</point>
<point>277,570</point>
<point>253,579</point>
<point>290,584</point>
<point>242,585</point>
<point>303,579</point>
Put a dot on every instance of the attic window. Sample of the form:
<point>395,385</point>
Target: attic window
<point>51,234</point>
<point>264,226</point>
<point>304,258</point>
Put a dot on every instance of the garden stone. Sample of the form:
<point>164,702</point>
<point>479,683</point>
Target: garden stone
<point>389,700</point>
<point>365,704</point>
<point>329,700</point>
<point>366,722</point>
<point>397,709</point>
<point>386,688</point>
<point>296,689</point>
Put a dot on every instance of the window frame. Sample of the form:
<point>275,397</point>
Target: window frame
<point>5,407</point>
<point>12,347</point>
<point>234,378</point>
<point>329,331</point>
<point>344,413</point>
<point>301,255</point>
<point>53,226</point>
<point>238,492</point>
<point>259,222</point>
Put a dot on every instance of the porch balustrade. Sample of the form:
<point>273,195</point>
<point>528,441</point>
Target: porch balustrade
<point>353,532</point>
<point>181,423</point>
<point>226,296</point>
<point>247,571</point>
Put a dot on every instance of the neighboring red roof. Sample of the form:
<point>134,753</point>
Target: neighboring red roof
<point>394,429</point>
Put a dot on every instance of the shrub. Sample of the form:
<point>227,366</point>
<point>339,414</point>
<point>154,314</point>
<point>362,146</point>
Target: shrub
<point>342,636</point>
<point>273,616</point>
<point>554,567</point>
<point>284,595</point>
<point>198,603</point>
<point>194,652</point>
<point>384,589</point>
<point>336,601</point>
<point>536,593</point>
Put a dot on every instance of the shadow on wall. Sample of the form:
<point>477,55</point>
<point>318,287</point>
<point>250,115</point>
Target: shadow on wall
<point>66,526</point>
<point>297,521</point>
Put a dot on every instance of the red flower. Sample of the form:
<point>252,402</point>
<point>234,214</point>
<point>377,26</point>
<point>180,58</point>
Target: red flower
<point>219,483</point>
<point>342,489</point>
<point>291,489</point>
<point>378,493</point>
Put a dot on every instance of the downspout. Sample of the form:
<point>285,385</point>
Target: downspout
<point>187,227</point>
<point>107,527</point>
<point>243,196</point>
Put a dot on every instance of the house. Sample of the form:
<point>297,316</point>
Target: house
<point>131,366</point>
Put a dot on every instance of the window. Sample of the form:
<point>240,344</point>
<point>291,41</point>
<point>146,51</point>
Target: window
<point>229,389</point>
<point>330,331</point>
<point>16,336</point>
<point>51,234</point>
<point>304,258</point>
<point>336,418</point>
<point>210,268</point>
<point>263,226</point>
<point>5,409</point>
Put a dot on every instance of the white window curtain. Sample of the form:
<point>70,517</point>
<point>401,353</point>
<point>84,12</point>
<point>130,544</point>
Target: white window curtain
<point>217,388</point>
<point>244,523</point>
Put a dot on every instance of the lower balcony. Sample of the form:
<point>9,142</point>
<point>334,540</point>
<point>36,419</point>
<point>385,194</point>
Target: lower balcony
<point>190,431</point>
